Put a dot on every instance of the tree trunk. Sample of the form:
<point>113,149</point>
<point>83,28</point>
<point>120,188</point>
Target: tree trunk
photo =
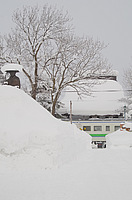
<point>34,88</point>
<point>34,92</point>
<point>54,104</point>
<point>53,108</point>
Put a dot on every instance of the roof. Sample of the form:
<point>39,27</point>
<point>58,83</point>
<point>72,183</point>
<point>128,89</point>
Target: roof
<point>11,67</point>
<point>105,99</point>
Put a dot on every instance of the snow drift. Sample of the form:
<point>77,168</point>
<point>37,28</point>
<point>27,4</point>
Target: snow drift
<point>24,124</point>
<point>35,142</point>
<point>119,139</point>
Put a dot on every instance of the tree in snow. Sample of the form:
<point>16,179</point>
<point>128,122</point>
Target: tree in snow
<point>53,58</point>
<point>34,29</point>
<point>77,63</point>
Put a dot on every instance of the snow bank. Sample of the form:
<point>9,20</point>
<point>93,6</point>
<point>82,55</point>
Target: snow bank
<point>119,139</point>
<point>28,173</point>
<point>25,124</point>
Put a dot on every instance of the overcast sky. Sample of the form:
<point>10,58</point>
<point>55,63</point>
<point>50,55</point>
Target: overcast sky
<point>108,20</point>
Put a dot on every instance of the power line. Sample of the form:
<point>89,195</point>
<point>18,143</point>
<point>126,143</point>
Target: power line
<point>100,91</point>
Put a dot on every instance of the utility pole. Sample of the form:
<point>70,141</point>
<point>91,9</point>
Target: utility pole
<point>71,112</point>
<point>125,113</point>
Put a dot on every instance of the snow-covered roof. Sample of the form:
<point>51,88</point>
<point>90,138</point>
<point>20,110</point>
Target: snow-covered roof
<point>11,67</point>
<point>105,99</point>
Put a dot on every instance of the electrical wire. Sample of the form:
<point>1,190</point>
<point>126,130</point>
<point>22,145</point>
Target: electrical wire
<point>100,91</point>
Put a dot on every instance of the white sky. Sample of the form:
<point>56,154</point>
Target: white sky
<point>107,20</point>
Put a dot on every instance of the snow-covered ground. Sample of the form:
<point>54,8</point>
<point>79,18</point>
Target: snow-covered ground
<point>96,175</point>
<point>42,158</point>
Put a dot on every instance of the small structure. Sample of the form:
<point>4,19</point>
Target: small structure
<point>13,79</point>
<point>12,69</point>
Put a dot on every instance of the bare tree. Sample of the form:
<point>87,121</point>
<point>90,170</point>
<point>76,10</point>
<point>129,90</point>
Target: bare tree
<point>35,27</point>
<point>53,58</point>
<point>76,62</point>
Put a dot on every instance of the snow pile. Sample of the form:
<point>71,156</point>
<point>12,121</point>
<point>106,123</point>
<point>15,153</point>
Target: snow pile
<point>28,173</point>
<point>105,99</point>
<point>24,124</point>
<point>119,139</point>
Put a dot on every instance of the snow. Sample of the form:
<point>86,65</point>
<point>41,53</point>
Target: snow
<point>128,124</point>
<point>44,158</point>
<point>105,99</point>
<point>121,138</point>
<point>24,123</point>
<point>11,67</point>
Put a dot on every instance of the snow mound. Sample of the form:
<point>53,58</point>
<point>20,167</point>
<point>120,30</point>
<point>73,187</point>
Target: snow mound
<point>24,124</point>
<point>119,139</point>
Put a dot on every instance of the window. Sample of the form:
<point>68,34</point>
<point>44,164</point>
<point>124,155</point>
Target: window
<point>117,127</point>
<point>97,128</point>
<point>87,128</point>
<point>107,128</point>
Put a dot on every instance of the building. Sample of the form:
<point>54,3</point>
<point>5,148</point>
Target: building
<point>98,114</point>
